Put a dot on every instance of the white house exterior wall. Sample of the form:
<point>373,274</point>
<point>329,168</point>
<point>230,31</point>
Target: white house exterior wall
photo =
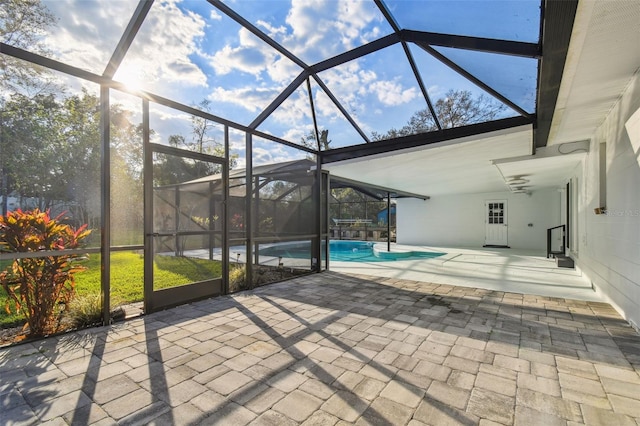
<point>458,220</point>
<point>609,244</point>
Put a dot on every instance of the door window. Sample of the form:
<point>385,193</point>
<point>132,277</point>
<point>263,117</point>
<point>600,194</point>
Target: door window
<point>496,213</point>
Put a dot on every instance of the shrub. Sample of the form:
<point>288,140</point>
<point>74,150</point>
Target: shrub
<point>237,278</point>
<point>85,310</point>
<point>39,286</point>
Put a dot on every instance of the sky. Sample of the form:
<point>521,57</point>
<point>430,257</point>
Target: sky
<point>190,51</point>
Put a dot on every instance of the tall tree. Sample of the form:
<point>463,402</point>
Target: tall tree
<point>30,126</point>
<point>23,24</point>
<point>310,140</point>
<point>51,151</point>
<point>456,108</point>
<point>201,141</point>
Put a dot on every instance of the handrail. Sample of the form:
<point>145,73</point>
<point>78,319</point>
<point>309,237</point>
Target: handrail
<point>549,231</point>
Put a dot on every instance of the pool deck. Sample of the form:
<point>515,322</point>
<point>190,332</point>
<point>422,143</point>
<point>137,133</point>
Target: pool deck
<point>340,348</point>
<point>512,270</point>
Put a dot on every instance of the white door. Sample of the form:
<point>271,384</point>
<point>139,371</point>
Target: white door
<point>495,223</point>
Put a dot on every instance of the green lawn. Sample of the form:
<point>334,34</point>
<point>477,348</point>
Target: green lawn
<point>127,274</point>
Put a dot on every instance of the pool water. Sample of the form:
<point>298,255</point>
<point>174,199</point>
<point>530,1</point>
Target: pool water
<point>352,251</point>
<point>345,251</point>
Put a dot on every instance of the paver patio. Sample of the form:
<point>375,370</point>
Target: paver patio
<point>331,349</point>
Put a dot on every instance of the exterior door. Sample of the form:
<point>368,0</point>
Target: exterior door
<point>184,202</point>
<point>496,223</point>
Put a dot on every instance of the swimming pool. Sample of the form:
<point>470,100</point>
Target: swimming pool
<point>348,251</point>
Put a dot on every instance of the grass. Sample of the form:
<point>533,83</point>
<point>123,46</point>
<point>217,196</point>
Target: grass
<point>127,278</point>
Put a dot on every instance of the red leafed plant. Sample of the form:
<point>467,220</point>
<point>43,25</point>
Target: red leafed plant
<point>39,286</point>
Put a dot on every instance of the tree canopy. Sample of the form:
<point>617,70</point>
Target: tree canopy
<point>456,108</point>
<point>22,24</point>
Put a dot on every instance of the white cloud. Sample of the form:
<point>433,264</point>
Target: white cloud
<point>391,93</point>
<point>252,56</point>
<point>282,70</point>
<point>272,31</point>
<point>269,154</point>
<point>353,17</point>
<point>325,108</point>
<point>231,59</point>
<point>214,15</point>
<point>324,28</point>
<point>164,45</point>
<point>88,32</point>
<point>295,111</point>
<point>250,98</point>
<point>297,133</point>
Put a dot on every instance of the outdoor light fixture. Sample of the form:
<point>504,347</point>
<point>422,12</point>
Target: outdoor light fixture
<point>520,190</point>
<point>517,180</point>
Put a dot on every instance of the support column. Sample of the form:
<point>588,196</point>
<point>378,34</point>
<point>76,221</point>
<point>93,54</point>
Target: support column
<point>105,206</point>
<point>388,221</point>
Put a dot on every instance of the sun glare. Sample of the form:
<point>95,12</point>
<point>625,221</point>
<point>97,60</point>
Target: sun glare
<point>132,78</point>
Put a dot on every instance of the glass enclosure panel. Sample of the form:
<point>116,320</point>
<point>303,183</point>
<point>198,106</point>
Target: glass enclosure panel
<point>267,153</point>
<point>446,87</point>
<point>79,33</point>
<point>296,25</point>
<point>284,211</point>
<point>187,225</point>
<point>501,19</point>
<point>290,254</point>
<point>237,150</point>
<point>333,127</point>
<point>127,282</point>
<point>236,205</point>
<point>292,120</point>
<point>354,215</point>
<point>189,51</point>
<point>51,155</point>
<point>379,98</point>
<point>127,219</point>
<point>514,77</point>
<point>127,212</point>
<point>170,270</point>
<point>281,260</point>
<point>50,160</point>
<point>175,128</point>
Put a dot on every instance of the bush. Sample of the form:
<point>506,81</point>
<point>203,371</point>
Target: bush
<point>85,310</point>
<point>237,278</point>
<point>39,287</point>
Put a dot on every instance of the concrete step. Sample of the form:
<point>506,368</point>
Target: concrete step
<point>564,261</point>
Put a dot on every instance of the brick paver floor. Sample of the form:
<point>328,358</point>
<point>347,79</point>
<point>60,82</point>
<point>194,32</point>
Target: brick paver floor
<point>332,349</point>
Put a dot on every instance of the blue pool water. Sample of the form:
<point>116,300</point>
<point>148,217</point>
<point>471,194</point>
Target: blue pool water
<point>346,251</point>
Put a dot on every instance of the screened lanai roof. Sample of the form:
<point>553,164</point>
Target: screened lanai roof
<point>298,172</point>
<point>357,69</point>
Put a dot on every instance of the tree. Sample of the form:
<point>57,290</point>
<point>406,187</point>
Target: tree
<point>173,169</point>
<point>310,140</point>
<point>29,129</point>
<point>456,108</point>
<point>51,152</point>
<point>22,24</point>
<point>200,131</point>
